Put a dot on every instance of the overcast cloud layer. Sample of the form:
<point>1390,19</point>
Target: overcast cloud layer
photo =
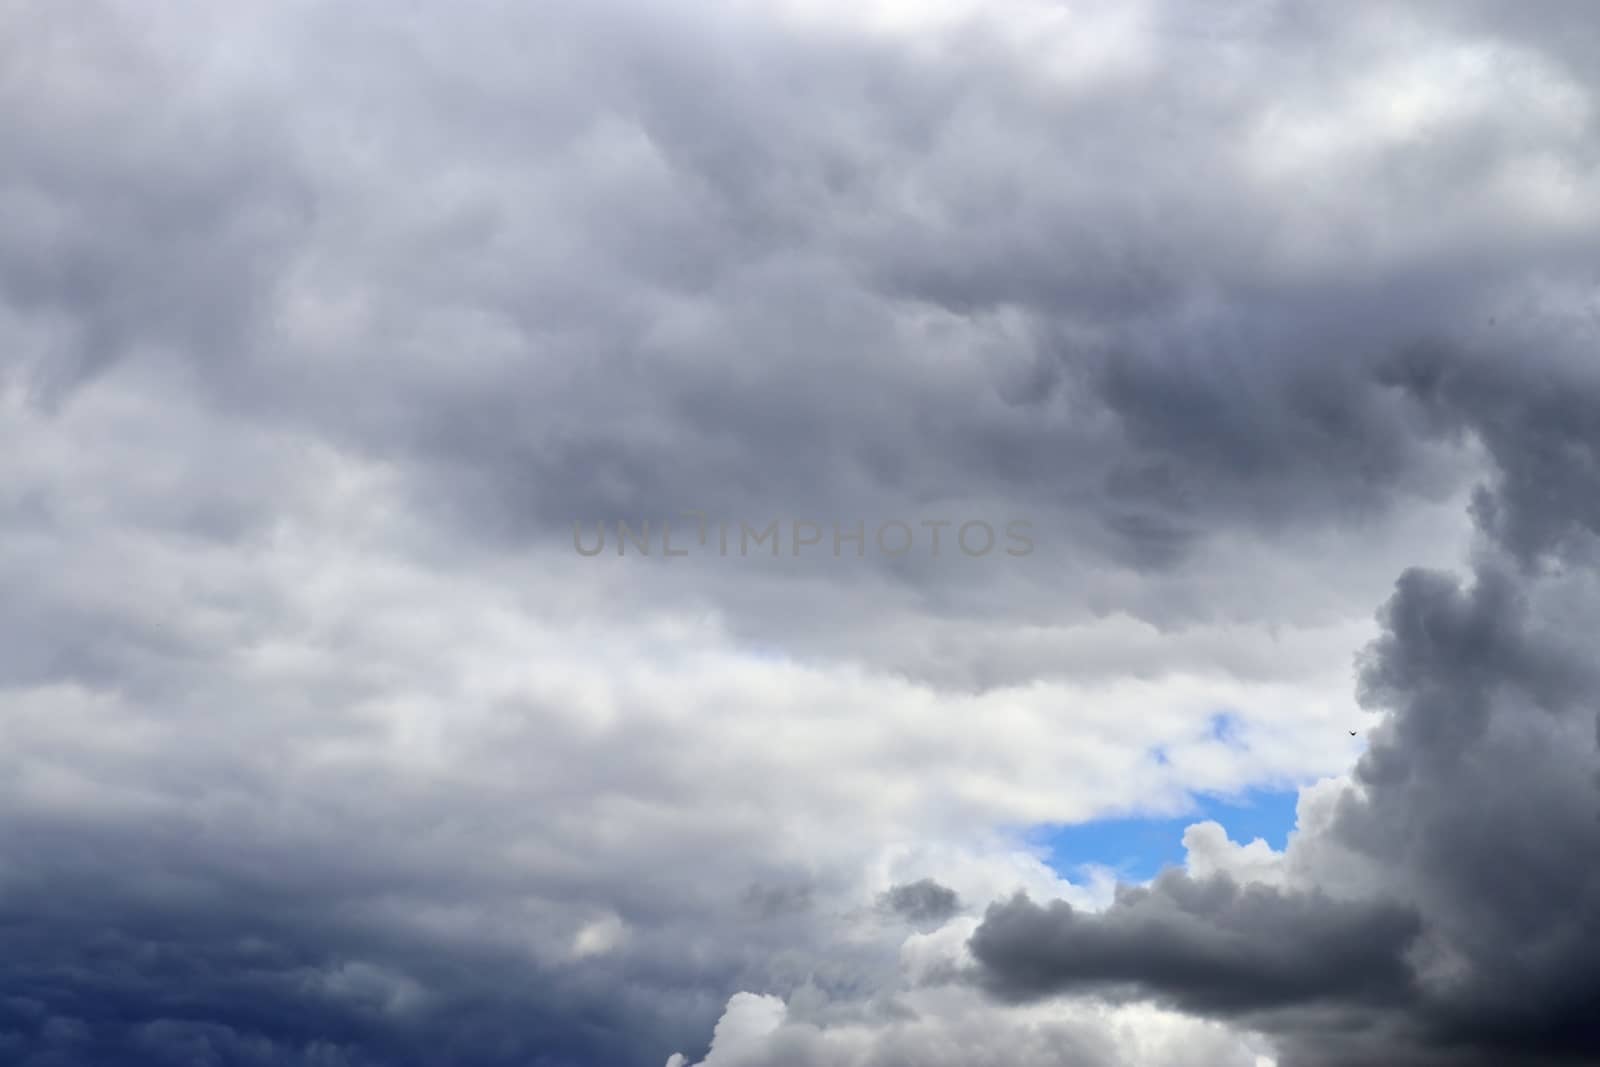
<point>322,325</point>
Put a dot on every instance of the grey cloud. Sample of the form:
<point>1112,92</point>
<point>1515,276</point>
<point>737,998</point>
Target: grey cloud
<point>642,302</point>
<point>735,434</point>
<point>1535,418</point>
<point>922,901</point>
<point>1210,947</point>
<point>774,901</point>
<point>415,288</point>
<point>138,218</point>
<point>1474,808</point>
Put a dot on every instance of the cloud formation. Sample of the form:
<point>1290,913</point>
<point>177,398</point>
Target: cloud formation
<point>320,327</point>
<point>1472,807</point>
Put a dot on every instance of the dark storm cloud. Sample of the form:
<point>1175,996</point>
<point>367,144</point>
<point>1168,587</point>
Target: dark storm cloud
<point>1480,791</point>
<point>1476,805</point>
<point>107,976</point>
<point>161,943</point>
<point>1209,947</point>
<point>1534,414</point>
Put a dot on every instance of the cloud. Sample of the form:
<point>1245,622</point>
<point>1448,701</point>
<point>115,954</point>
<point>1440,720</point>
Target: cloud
<point>319,329</point>
<point>922,901</point>
<point>954,1027</point>
<point>1209,852</point>
<point>1468,811</point>
<point>1205,945</point>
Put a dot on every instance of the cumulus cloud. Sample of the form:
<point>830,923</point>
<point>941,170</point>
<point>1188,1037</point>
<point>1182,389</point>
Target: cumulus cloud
<point>1208,852</point>
<point>955,1029</point>
<point>1469,812</point>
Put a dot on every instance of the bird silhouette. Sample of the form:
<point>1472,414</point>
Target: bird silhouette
<point>1352,733</point>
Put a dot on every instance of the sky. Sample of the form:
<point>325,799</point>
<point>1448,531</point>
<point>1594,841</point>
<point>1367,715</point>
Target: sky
<point>1137,847</point>
<point>1242,357</point>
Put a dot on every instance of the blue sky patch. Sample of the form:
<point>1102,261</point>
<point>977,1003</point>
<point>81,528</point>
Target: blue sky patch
<point>1137,848</point>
